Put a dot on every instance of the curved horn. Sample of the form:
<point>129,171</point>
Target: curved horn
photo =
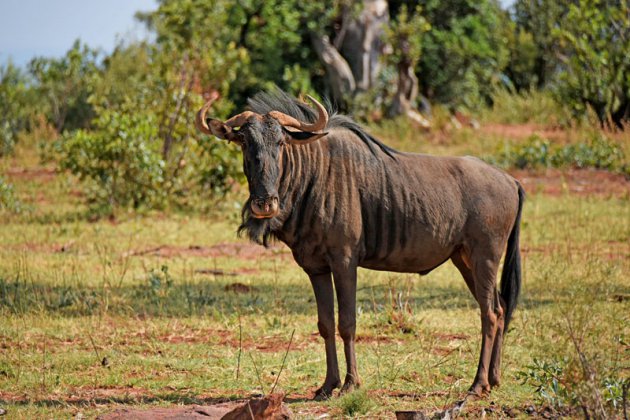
<point>200,119</point>
<point>240,119</point>
<point>218,128</point>
<point>289,121</point>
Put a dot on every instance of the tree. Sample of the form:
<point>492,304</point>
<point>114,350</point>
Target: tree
<point>538,19</point>
<point>15,110</point>
<point>523,60</point>
<point>64,86</point>
<point>594,41</point>
<point>463,53</point>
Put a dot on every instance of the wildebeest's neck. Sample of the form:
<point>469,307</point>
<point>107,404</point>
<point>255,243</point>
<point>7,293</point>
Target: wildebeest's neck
<point>318,183</point>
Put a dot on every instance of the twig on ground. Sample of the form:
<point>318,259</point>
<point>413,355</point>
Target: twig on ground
<point>240,345</point>
<point>44,366</point>
<point>283,361</point>
<point>143,252</point>
<point>98,356</point>
<point>215,272</point>
<point>251,413</point>
<point>262,388</point>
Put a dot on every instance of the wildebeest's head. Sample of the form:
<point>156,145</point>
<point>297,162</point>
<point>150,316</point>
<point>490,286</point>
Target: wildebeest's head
<point>262,138</point>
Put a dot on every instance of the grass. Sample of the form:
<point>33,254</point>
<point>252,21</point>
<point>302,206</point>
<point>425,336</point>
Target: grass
<point>95,315</point>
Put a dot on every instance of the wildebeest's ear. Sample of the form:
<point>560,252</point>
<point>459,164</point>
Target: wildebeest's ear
<point>223,131</point>
<point>301,137</point>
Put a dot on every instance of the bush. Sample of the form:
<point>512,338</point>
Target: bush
<point>8,200</point>
<point>14,110</point>
<point>594,44</point>
<point>122,164</point>
<point>527,106</point>
<point>119,159</point>
<point>598,152</point>
<point>560,383</point>
<point>355,403</point>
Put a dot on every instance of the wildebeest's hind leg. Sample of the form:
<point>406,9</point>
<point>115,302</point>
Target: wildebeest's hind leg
<point>462,262</point>
<point>484,269</point>
<point>495,362</point>
<point>345,276</point>
<point>325,297</point>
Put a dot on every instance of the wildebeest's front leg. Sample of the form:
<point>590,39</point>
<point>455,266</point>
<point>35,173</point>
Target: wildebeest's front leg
<point>345,277</point>
<point>325,297</point>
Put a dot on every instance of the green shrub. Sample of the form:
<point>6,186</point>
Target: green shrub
<point>14,106</point>
<point>560,384</point>
<point>598,152</point>
<point>122,164</point>
<point>8,200</point>
<point>119,160</point>
<point>593,44</point>
<point>355,403</point>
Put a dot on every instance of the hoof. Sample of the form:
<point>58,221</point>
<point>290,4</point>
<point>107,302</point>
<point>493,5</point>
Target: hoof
<point>495,382</point>
<point>348,387</point>
<point>479,390</point>
<point>325,392</point>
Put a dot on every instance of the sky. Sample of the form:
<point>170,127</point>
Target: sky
<point>30,28</point>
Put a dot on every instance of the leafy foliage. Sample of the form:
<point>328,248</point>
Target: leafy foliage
<point>463,53</point>
<point>595,41</point>
<point>598,152</point>
<point>63,86</point>
<point>526,106</point>
<point>8,200</point>
<point>120,159</point>
<point>125,118</point>
<point>560,383</point>
<point>14,100</point>
<point>535,22</point>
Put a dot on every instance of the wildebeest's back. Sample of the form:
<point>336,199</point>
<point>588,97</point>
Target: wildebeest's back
<point>417,209</point>
<point>405,213</point>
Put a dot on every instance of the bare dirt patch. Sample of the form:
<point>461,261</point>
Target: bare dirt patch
<point>211,412</point>
<point>39,174</point>
<point>240,250</point>
<point>267,344</point>
<point>581,182</point>
<point>381,339</point>
<point>239,288</point>
<point>270,407</point>
<point>451,337</point>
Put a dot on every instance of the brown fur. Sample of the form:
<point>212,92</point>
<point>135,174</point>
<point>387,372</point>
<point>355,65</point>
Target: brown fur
<point>348,201</point>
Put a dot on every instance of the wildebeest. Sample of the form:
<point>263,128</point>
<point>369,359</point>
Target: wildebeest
<point>341,199</point>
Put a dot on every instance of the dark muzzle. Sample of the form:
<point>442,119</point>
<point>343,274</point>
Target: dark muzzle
<point>264,208</point>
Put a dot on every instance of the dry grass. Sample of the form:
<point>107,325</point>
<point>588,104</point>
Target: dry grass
<point>90,321</point>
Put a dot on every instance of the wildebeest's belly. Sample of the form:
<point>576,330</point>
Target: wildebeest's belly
<point>421,258</point>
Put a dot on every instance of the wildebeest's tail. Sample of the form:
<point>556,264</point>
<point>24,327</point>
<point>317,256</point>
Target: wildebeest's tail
<point>511,276</point>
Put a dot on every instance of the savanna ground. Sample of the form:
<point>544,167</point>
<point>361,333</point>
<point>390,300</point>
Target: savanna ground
<point>170,309</point>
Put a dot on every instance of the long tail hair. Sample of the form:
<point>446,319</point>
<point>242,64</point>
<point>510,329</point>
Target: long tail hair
<point>511,275</point>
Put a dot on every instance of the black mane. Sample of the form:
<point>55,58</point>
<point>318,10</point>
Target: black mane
<point>278,100</point>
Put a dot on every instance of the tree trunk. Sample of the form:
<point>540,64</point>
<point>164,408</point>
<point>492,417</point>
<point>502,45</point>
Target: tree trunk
<point>340,78</point>
<point>352,60</point>
<point>362,42</point>
<point>407,90</point>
